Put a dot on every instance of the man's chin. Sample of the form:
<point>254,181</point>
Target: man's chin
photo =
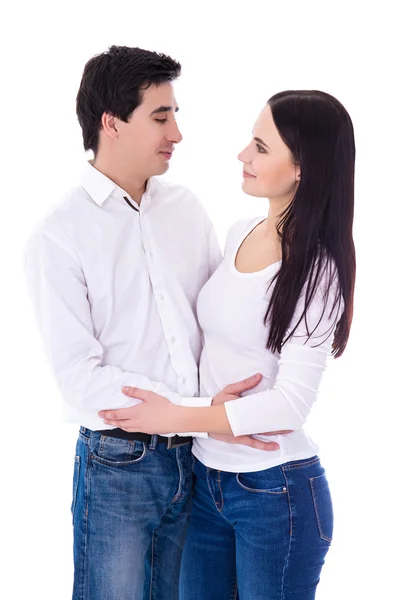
<point>163,168</point>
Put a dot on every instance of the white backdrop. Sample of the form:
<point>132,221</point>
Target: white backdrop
<point>234,57</point>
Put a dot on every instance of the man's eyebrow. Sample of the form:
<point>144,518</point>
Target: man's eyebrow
<point>162,109</point>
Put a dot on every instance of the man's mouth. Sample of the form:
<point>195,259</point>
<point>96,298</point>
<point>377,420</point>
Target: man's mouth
<point>167,154</point>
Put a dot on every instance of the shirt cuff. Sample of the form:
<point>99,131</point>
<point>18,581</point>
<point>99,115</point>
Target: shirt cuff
<point>196,402</point>
<point>199,434</point>
<point>232,418</point>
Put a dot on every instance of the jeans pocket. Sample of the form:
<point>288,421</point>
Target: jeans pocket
<point>268,481</point>
<point>115,452</point>
<point>75,482</point>
<point>323,506</point>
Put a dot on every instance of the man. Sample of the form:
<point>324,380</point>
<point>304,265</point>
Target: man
<point>114,274</point>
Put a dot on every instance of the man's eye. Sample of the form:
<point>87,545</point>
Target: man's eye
<point>161,120</point>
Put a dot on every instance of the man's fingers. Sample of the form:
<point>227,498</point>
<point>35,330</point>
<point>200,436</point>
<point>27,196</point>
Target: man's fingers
<point>116,415</point>
<point>247,440</point>
<point>246,384</point>
<point>133,392</point>
<point>125,424</point>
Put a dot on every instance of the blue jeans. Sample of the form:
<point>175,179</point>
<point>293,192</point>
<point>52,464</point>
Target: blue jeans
<point>257,536</point>
<point>130,508</point>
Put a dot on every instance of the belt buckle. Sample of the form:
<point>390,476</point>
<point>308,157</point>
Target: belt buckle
<point>181,441</point>
<point>170,445</point>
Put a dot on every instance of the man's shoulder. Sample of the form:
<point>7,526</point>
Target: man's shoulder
<point>64,215</point>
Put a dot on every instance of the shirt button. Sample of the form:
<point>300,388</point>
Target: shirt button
<point>162,296</point>
<point>151,254</point>
<point>173,340</point>
<point>183,380</point>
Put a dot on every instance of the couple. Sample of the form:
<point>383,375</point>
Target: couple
<point>136,306</point>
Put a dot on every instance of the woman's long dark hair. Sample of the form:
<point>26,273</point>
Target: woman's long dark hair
<point>316,228</point>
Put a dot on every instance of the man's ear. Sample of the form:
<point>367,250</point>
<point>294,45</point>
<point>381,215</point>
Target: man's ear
<point>109,125</point>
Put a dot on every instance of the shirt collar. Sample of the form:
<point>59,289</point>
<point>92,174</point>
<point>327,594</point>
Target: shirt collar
<point>100,187</point>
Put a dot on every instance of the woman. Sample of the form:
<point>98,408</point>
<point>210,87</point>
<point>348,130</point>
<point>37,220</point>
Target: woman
<point>279,304</point>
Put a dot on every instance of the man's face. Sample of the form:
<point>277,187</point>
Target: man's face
<point>146,142</point>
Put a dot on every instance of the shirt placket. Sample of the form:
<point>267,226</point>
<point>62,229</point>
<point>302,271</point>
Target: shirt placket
<point>165,309</point>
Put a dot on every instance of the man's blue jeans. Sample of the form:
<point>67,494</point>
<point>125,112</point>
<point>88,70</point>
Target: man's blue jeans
<point>130,507</point>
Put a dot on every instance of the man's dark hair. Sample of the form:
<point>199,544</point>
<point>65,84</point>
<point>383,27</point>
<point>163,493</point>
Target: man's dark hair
<point>113,82</point>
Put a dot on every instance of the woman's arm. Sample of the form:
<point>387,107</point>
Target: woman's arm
<point>285,406</point>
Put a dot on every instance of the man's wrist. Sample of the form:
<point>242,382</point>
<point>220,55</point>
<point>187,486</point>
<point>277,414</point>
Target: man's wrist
<point>175,416</point>
<point>202,419</point>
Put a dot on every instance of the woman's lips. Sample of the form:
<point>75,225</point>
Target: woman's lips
<point>248,175</point>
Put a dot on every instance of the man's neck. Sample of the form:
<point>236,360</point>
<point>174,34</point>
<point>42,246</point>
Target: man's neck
<point>132,183</point>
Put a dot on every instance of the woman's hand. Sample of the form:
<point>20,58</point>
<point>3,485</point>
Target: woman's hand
<point>156,415</point>
<point>248,440</point>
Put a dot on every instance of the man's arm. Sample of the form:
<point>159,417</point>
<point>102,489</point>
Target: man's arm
<point>60,297</point>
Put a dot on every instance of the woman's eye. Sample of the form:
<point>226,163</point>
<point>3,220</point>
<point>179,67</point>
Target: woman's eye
<point>261,149</point>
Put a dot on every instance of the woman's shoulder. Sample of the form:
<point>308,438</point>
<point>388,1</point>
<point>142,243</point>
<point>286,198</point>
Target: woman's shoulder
<point>240,229</point>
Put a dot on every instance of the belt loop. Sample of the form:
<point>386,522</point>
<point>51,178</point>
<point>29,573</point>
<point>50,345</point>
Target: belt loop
<point>169,443</point>
<point>153,442</point>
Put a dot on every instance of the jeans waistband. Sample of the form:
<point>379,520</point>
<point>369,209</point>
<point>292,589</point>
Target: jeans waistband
<point>171,442</point>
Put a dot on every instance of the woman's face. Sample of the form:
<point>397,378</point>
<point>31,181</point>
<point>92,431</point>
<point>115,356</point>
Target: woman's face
<point>268,167</point>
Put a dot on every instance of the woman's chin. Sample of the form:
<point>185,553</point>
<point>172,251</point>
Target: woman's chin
<point>251,190</point>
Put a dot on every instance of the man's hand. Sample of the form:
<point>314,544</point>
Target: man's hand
<point>233,390</point>
<point>248,440</point>
<point>156,414</point>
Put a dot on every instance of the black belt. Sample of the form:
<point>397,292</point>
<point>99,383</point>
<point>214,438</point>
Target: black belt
<point>172,442</point>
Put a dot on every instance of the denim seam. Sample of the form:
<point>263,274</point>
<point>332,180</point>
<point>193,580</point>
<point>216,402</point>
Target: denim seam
<point>300,465</point>
<point>77,470</point>
<point>179,492</point>
<point>316,510</point>
<point>211,494</point>
<point>220,489</point>
<point>86,526</point>
<point>285,567</point>
<point>213,499</point>
<point>152,566</point>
